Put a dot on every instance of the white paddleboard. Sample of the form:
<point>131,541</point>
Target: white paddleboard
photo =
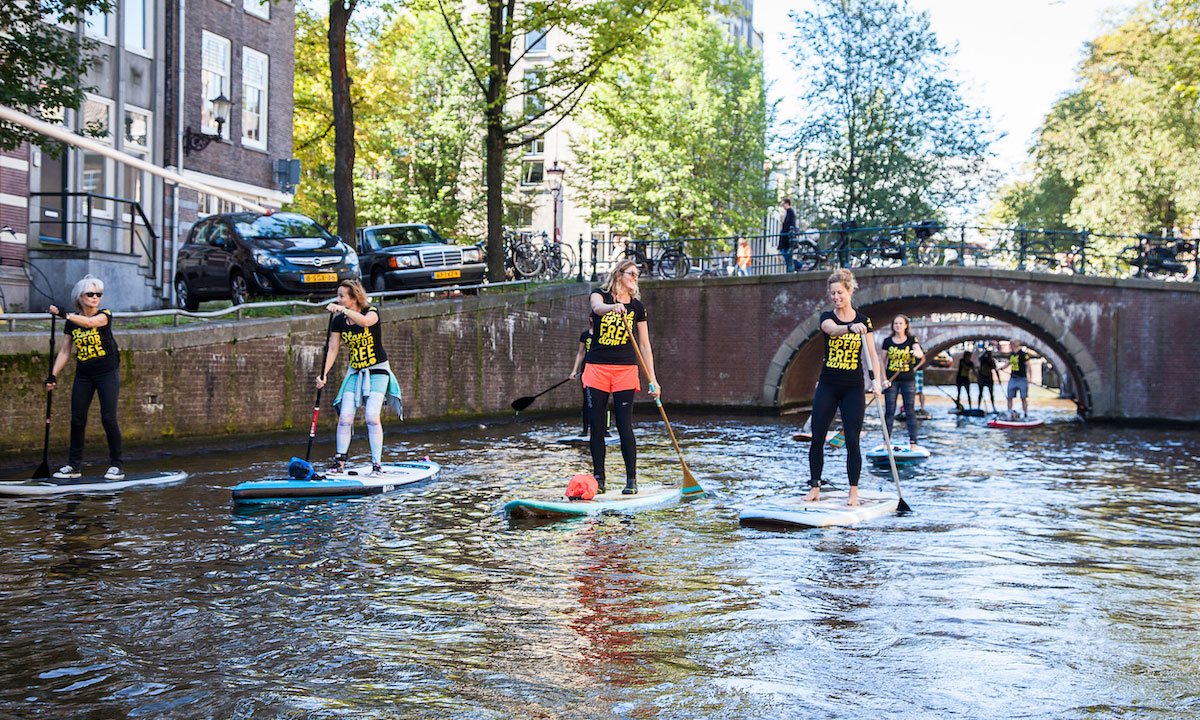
<point>830,510</point>
<point>584,439</point>
<point>87,483</point>
<point>1025,423</point>
<point>552,504</point>
<point>355,482</point>
<point>902,453</point>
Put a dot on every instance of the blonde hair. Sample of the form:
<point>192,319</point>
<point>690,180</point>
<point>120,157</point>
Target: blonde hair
<point>85,284</point>
<point>357,293</point>
<point>845,277</point>
<point>610,282</point>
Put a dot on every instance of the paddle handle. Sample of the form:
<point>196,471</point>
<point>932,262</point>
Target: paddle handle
<point>312,430</point>
<point>887,442</point>
<point>49,393</point>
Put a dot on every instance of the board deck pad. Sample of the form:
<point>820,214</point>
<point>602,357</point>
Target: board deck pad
<point>552,504</point>
<point>903,453</point>
<point>86,483</point>
<point>1026,423</point>
<point>830,510</point>
<point>352,483</point>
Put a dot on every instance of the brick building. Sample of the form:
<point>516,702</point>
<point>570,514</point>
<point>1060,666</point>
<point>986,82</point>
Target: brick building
<point>163,63</point>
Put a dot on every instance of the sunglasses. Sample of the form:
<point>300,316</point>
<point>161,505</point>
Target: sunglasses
<point>633,274</point>
<point>94,294</point>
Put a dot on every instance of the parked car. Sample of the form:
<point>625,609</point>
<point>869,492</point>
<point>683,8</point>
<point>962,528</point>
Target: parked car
<point>412,255</point>
<point>233,255</point>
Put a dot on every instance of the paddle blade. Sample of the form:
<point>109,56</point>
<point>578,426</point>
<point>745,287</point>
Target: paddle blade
<point>838,440</point>
<point>903,506</point>
<point>41,472</point>
<point>522,402</point>
<point>690,488</point>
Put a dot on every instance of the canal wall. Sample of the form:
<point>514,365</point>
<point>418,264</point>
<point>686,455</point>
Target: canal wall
<point>460,357</point>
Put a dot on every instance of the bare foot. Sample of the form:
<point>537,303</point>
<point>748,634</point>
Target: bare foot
<point>813,495</point>
<point>853,500</point>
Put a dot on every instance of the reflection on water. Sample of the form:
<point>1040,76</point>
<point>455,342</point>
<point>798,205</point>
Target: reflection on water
<point>1045,573</point>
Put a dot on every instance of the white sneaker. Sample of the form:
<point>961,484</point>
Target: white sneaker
<point>114,473</point>
<point>67,471</point>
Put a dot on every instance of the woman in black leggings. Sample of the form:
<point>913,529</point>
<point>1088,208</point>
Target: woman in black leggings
<point>840,386</point>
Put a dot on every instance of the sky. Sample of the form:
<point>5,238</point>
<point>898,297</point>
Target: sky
<point>1015,57</point>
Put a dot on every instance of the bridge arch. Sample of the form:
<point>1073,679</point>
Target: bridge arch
<point>792,373</point>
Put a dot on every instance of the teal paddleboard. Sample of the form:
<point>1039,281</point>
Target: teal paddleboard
<point>355,482</point>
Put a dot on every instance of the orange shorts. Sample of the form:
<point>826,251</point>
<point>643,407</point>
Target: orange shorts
<point>612,378</point>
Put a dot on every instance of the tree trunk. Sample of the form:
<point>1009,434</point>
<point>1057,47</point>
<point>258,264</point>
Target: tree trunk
<point>343,121</point>
<point>499,56</point>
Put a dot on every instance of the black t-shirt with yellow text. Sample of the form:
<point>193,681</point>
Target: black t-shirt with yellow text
<point>900,358</point>
<point>585,339</point>
<point>610,334</point>
<point>1017,362</point>
<point>365,343</point>
<point>842,364</point>
<point>95,348</point>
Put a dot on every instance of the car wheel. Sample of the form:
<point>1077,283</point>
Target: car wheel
<point>184,298</point>
<point>378,283</point>
<point>239,292</point>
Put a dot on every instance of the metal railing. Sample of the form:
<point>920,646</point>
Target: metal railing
<point>89,218</point>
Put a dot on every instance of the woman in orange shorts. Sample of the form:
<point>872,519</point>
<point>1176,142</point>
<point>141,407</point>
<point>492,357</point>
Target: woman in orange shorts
<point>612,366</point>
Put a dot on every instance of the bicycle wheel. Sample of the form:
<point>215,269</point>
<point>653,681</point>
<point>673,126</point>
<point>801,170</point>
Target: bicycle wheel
<point>860,254</point>
<point>567,258</point>
<point>806,256</point>
<point>636,257</point>
<point>1129,262</point>
<point>527,260</point>
<point>674,264</point>
<point>929,252</point>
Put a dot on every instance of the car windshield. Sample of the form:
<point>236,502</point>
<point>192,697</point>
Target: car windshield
<point>279,226</point>
<point>393,236</point>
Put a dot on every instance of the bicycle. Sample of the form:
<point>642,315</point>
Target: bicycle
<point>670,262</point>
<point>521,258</point>
<point>1160,260</point>
<point>845,251</point>
<point>558,260</point>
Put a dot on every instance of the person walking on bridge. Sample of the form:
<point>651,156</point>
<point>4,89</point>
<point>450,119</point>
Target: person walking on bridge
<point>840,385</point>
<point>97,372</point>
<point>612,367</point>
<point>787,233</point>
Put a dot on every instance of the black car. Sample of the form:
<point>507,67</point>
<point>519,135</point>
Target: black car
<point>234,255</point>
<point>396,257</point>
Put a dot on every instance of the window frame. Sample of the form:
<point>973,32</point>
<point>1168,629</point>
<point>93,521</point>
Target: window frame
<point>248,54</point>
<point>262,9</point>
<point>226,88</point>
<point>147,50</point>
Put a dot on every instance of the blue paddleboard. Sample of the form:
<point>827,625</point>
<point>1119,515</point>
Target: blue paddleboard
<point>350,484</point>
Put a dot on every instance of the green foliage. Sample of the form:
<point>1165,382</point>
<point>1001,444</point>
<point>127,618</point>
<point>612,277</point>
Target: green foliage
<point>1126,142</point>
<point>890,136</point>
<point>675,135</point>
<point>42,63</point>
<point>415,147</point>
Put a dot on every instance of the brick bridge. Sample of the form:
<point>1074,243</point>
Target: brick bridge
<point>1127,345</point>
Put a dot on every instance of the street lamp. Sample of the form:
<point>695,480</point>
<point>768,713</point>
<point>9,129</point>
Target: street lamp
<point>555,172</point>
<point>197,141</point>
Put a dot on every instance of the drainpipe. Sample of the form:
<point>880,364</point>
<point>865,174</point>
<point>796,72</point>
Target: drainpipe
<point>178,154</point>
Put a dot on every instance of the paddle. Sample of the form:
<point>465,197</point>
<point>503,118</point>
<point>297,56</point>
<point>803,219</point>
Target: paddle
<point>303,469</point>
<point>973,412</point>
<point>690,488</point>
<point>838,440</point>
<point>887,441</point>
<point>523,402</point>
<point>42,471</point>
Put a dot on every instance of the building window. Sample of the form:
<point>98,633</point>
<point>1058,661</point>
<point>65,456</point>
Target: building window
<point>532,172</point>
<point>214,78</point>
<point>136,143</point>
<point>534,104</point>
<point>96,170</point>
<point>536,146</point>
<point>99,25</point>
<point>254,99</point>
<point>535,41</point>
<point>258,8</point>
<point>139,24</point>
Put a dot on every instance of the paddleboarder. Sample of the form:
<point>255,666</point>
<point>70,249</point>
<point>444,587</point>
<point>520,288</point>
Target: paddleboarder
<point>369,381</point>
<point>612,366</point>
<point>903,354</point>
<point>840,385</point>
<point>987,371</point>
<point>962,381</point>
<point>97,367</point>
<point>585,341</point>
<point>1018,381</point>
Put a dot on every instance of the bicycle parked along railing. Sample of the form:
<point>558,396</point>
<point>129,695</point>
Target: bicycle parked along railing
<point>670,261</point>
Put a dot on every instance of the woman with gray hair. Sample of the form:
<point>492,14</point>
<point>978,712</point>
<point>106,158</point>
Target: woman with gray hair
<point>96,373</point>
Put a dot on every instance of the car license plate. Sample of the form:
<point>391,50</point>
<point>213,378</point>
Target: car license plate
<point>447,274</point>
<point>320,277</point>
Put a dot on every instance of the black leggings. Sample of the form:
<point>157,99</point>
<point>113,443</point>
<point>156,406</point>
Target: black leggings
<point>906,389</point>
<point>585,413</point>
<point>827,401</point>
<point>991,394</point>
<point>623,410</point>
<point>106,385</point>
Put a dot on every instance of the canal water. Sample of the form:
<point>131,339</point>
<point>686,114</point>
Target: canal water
<point>1045,573</point>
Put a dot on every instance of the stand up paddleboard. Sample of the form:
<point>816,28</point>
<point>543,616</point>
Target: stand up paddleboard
<point>584,439</point>
<point>86,483</point>
<point>350,484</point>
<point>552,505</point>
<point>902,453</point>
<point>969,412</point>
<point>920,415</point>
<point>1026,423</point>
<point>830,510</point>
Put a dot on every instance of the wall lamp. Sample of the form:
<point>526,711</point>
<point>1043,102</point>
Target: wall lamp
<point>197,141</point>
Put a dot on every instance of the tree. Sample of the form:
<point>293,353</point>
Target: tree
<point>343,118</point>
<point>43,62</point>
<point>312,125</point>
<point>891,136</point>
<point>1126,142</point>
<point>675,135</point>
<point>595,33</point>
